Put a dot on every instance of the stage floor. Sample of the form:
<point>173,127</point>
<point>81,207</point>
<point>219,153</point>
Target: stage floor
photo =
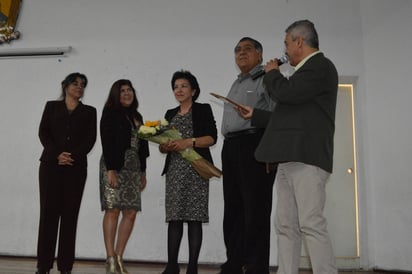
<point>16,265</point>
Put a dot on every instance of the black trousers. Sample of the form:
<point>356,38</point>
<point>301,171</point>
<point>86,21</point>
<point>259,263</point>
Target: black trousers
<point>247,190</point>
<point>61,191</point>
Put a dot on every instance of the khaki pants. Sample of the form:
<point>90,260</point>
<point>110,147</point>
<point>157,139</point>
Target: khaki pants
<point>299,215</point>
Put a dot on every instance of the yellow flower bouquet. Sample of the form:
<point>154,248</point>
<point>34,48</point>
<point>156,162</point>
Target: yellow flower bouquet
<point>160,132</point>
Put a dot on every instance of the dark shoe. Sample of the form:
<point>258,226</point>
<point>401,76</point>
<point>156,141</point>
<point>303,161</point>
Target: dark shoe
<point>66,272</point>
<point>42,272</point>
<point>254,270</point>
<point>230,272</point>
<point>191,269</point>
<point>171,269</point>
<point>228,269</point>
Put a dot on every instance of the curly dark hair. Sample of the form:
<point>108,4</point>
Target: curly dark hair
<point>185,74</point>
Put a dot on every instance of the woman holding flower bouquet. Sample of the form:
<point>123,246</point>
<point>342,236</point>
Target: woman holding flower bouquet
<point>187,193</point>
<point>122,170</point>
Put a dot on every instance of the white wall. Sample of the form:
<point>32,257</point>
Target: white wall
<point>387,147</point>
<point>146,41</point>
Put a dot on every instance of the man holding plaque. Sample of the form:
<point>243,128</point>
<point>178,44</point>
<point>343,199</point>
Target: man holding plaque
<point>247,184</point>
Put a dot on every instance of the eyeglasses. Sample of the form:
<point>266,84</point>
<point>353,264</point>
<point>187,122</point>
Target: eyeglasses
<point>247,48</point>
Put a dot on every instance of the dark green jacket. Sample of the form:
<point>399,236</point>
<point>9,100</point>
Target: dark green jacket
<point>302,125</point>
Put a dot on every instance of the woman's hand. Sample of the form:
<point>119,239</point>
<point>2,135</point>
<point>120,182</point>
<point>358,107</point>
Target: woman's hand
<point>176,145</point>
<point>166,147</point>
<point>112,178</point>
<point>143,181</point>
<point>65,159</point>
<point>182,144</point>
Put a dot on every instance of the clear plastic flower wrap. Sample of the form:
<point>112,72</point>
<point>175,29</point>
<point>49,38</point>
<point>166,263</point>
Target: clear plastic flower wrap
<point>160,132</point>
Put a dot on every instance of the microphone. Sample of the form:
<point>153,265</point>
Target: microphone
<point>282,60</point>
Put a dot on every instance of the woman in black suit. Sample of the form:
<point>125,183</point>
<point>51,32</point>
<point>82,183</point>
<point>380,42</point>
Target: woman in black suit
<point>187,193</point>
<point>67,133</point>
<point>122,170</point>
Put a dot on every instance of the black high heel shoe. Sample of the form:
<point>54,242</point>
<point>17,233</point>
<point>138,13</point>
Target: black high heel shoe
<point>42,272</point>
<point>191,269</point>
<point>172,269</point>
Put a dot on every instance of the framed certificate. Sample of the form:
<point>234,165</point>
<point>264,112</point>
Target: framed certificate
<point>227,100</point>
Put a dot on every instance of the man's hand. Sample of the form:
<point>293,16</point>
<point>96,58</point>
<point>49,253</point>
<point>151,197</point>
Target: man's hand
<point>271,65</point>
<point>245,111</point>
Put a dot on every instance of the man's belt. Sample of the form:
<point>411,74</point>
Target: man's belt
<point>240,133</point>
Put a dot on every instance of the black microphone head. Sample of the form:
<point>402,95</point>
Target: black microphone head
<point>283,60</point>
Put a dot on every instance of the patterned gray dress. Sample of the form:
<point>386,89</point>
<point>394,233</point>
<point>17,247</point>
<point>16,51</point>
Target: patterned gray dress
<point>187,194</point>
<point>127,196</point>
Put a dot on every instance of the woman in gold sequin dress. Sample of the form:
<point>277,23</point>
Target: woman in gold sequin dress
<point>122,170</point>
<point>187,193</point>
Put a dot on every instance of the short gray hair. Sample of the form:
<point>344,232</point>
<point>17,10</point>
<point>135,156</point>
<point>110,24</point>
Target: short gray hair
<point>306,30</point>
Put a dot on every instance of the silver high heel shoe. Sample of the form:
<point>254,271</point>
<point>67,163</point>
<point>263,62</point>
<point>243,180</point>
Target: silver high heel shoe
<point>121,268</point>
<point>111,265</point>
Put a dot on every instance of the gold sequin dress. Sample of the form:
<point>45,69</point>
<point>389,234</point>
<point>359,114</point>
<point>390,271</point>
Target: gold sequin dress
<point>127,196</point>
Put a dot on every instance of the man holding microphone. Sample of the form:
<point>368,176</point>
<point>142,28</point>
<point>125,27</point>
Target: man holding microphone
<point>299,137</point>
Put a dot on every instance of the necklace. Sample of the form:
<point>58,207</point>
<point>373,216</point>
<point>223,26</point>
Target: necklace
<point>184,110</point>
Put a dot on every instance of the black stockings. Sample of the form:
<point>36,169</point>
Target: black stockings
<point>174,237</point>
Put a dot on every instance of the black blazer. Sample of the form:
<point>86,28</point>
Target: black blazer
<point>61,131</point>
<point>302,125</point>
<point>115,134</point>
<point>204,124</point>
